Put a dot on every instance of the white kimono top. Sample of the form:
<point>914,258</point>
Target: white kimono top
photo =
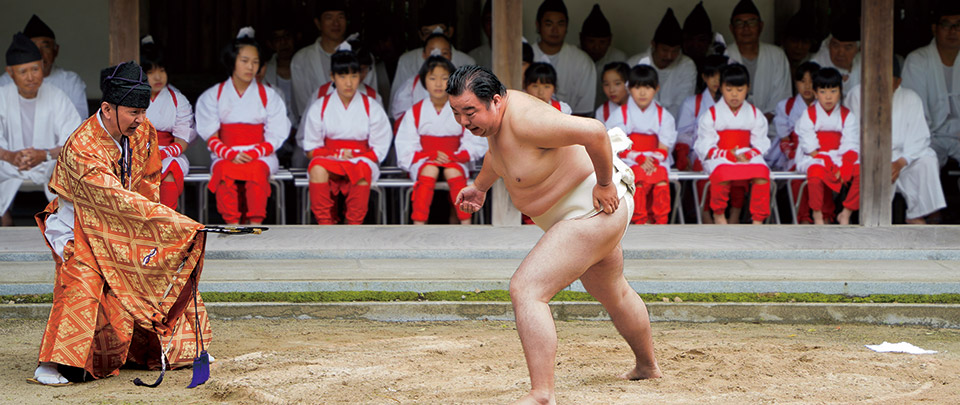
<point>426,121</point>
<point>361,120</point>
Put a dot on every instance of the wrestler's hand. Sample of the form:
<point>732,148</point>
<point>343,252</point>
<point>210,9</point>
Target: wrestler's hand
<point>242,158</point>
<point>605,198</point>
<point>470,199</point>
<point>442,158</point>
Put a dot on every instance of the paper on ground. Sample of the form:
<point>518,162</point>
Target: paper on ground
<point>902,347</point>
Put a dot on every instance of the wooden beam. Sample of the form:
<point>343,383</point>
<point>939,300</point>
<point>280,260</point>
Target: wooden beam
<point>124,30</point>
<point>507,58</point>
<point>875,124</point>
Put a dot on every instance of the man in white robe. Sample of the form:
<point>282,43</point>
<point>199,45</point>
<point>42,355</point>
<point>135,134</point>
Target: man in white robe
<point>435,18</point>
<point>916,174</point>
<point>483,54</point>
<point>934,73</point>
<point>35,120</point>
<point>310,66</point>
<point>576,72</point>
<point>768,65</point>
<point>68,82</point>
<point>595,39</point>
<point>677,72</point>
<point>841,50</point>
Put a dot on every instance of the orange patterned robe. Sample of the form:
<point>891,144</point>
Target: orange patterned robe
<point>120,293</point>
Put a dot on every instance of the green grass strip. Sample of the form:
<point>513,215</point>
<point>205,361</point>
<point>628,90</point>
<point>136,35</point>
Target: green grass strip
<point>504,296</point>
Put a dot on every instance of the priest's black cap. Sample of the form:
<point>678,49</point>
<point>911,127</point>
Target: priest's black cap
<point>22,50</point>
<point>596,25</point>
<point>125,84</point>
<point>745,7</point>
<point>37,28</point>
<point>668,32</point>
<point>697,22</point>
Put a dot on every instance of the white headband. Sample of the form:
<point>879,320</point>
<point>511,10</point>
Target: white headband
<point>146,40</point>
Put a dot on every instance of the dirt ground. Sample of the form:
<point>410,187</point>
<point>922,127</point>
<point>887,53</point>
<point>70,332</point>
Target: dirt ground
<point>319,361</point>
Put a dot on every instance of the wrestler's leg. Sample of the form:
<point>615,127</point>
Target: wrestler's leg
<point>561,256</point>
<point>606,283</point>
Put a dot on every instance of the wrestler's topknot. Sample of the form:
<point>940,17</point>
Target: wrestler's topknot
<point>480,80</point>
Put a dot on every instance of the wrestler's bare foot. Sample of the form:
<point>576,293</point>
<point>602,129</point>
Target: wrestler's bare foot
<point>719,219</point>
<point>844,217</point>
<point>642,373</point>
<point>537,398</point>
<point>47,374</point>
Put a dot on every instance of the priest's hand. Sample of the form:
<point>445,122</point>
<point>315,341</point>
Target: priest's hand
<point>9,156</point>
<point>897,166</point>
<point>242,158</point>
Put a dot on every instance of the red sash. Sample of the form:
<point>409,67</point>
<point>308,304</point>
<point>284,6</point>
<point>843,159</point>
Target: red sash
<point>356,146</point>
<point>556,104</point>
<point>165,138</point>
<point>445,144</point>
<point>241,134</point>
<point>829,140</point>
<point>733,139</point>
<point>644,142</point>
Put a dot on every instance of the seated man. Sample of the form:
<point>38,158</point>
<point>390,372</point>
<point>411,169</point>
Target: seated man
<point>677,72</point>
<point>916,174</point>
<point>35,120</point>
<point>596,40</point>
<point>841,50</point>
<point>768,65</point>
<point>69,82</point>
<point>933,72</point>
<point>576,72</point>
<point>435,18</point>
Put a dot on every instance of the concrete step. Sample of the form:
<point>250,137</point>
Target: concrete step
<point>853,277</point>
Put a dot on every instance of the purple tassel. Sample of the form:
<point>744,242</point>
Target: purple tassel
<point>201,370</point>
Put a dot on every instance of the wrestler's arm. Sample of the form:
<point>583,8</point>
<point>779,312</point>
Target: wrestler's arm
<point>554,129</point>
<point>487,175</point>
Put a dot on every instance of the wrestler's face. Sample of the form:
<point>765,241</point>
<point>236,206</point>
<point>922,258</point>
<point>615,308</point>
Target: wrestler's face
<point>157,78</point>
<point>436,83</point>
<point>843,52</point>
<point>805,88</point>
<point>643,95</point>
<point>543,91</point>
<point>734,96</point>
<point>828,97</point>
<point>347,84</point>
<point>247,64</point>
<point>482,119</point>
<point>27,77</point>
<point>614,87</point>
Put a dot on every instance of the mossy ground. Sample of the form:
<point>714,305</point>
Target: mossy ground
<point>503,295</point>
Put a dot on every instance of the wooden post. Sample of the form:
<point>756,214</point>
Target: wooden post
<point>124,30</point>
<point>877,101</point>
<point>507,53</point>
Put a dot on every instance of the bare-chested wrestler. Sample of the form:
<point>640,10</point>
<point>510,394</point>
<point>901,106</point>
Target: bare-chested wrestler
<point>560,170</point>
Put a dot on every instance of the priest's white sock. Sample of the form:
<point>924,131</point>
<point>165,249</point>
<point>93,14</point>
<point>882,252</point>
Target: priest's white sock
<point>47,374</point>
